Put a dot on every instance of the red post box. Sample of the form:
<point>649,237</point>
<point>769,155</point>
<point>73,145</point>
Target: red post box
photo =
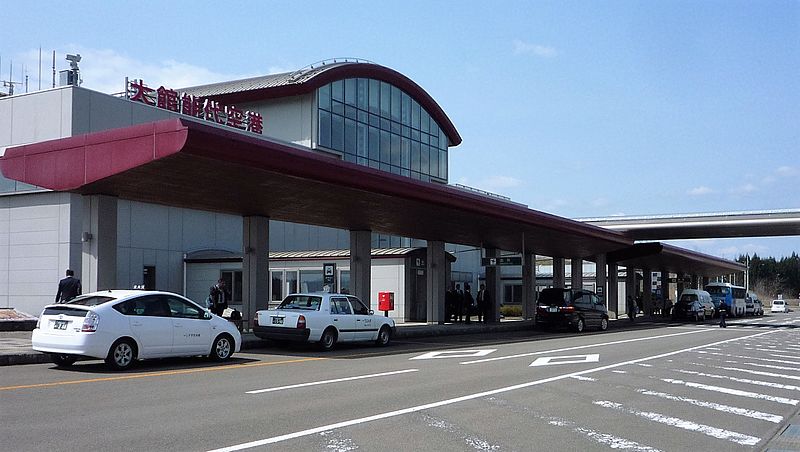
<point>386,302</point>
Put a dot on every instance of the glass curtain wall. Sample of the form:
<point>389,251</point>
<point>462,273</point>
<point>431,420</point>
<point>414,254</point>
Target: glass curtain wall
<point>376,124</point>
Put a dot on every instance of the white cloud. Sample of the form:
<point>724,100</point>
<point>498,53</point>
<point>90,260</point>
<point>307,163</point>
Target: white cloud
<point>700,191</point>
<point>525,48</point>
<point>105,70</point>
<point>787,171</point>
<point>500,182</point>
<point>744,189</point>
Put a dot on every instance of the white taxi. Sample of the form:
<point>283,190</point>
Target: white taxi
<point>122,326</point>
<point>323,318</point>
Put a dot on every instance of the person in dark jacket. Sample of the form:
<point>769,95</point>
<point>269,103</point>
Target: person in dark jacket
<point>484,308</point>
<point>68,288</point>
<point>469,303</point>
<point>218,296</point>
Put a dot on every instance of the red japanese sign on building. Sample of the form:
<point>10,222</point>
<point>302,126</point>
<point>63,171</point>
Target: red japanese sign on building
<point>196,107</point>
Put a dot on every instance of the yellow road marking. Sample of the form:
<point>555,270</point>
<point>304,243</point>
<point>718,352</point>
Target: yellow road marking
<point>156,374</point>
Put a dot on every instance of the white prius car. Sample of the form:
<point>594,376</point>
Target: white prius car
<point>323,318</point>
<point>122,326</point>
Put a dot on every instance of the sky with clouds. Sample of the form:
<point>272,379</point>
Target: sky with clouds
<point>577,108</point>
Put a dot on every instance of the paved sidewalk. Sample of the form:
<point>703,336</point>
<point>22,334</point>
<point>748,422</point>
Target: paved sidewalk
<point>15,346</point>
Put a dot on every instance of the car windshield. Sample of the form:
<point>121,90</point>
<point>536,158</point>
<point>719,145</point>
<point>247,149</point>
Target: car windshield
<point>557,297</point>
<point>688,298</point>
<point>305,302</point>
<point>777,302</point>
<point>91,301</point>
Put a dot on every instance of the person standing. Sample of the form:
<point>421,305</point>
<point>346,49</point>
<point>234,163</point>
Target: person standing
<point>219,298</point>
<point>631,308</point>
<point>68,288</point>
<point>459,299</point>
<point>484,305</point>
<point>723,311</point>
<point>469,303</point>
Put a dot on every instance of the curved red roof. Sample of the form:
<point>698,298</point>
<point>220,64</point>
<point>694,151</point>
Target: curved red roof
<point>302,82</point>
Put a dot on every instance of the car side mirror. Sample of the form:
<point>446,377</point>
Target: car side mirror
<point>371,312</point>
<point>206,315</point>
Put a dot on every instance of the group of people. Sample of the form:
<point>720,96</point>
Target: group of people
<point>460,305</point>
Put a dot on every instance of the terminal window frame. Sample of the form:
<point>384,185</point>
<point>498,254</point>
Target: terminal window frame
<point>376,124</point>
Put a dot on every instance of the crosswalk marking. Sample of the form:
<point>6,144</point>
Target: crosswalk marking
<point>774,418</point>
<point>614,442</point>
<point>750,357</point>
<point>741,380</point>
<point>739,438</point>
<point>730,391</point>
<point>759,372</point>
<point>769,366</point>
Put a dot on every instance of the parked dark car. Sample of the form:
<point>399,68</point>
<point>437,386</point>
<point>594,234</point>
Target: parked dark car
<point>694,304</point>
<point>573,308</point>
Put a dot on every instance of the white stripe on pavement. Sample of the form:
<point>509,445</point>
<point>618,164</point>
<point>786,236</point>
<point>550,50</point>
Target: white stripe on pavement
<point>730,391</point>
<point>741,380</point>
<point>716,406</point>
<point>750,357</point>
<point>607,439</point>
<point>413,409</point>
<point>336,380</point>
<point>766,374</point>
<point>715,432</point>
<point>769,366</point>
<point>578,347</point>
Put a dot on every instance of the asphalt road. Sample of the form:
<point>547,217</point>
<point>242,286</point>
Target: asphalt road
<point>682,387</point>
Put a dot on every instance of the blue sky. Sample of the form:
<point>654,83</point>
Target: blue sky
<point>580,108</point>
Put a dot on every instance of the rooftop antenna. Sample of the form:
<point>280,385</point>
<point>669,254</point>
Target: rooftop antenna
<point>10,82</point>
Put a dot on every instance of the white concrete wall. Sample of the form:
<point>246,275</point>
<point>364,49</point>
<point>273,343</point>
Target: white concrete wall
<point>288,119</point>
<point>38,241</point>
<point>151,234</point>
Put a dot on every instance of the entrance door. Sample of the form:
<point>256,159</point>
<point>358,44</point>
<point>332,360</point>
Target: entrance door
<point>419,307</point>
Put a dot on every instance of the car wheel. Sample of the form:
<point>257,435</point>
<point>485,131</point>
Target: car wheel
<point>63,360</point>
<point>222,349</point>
<point>604,324</point>
<point>122,355</point>
<point>384,336</point>
<point>580,325</point>
<point>328,339</point>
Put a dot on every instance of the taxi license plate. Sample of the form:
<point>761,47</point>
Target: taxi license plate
<point>277,320</point>
<point>60,325</point>
<point>552,309</point>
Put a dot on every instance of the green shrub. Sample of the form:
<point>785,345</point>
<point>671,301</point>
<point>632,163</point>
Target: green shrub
<point>511,310</point>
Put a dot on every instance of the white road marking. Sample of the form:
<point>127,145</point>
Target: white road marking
<point>573,359</point>
<point>730,391</point>
<point>336,380</point>
<point>454,354</point>
<point>742,380</point>
<point>578,347</point>
<point>645,365</point>
<point>716,406</point>
<point>613,442</point>
<point>478,395</point>
<point>619,371</point>
<point>582,378</point>
<point>770,366</point>
<point>472,441</point>
<point>750,357</point>
<point>715,432</point>
<point>766,374</point>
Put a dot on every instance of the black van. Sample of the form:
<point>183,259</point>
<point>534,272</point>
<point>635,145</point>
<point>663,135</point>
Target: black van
<point>573,308</point>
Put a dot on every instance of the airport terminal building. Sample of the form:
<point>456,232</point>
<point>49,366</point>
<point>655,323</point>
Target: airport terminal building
<point>332,175</point>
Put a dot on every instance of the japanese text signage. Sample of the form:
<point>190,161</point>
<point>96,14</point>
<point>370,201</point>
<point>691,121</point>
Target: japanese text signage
<point>196,107</point>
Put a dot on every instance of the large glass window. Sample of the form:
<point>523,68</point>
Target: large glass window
<point>379,125</point>
<point>311,281</point>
